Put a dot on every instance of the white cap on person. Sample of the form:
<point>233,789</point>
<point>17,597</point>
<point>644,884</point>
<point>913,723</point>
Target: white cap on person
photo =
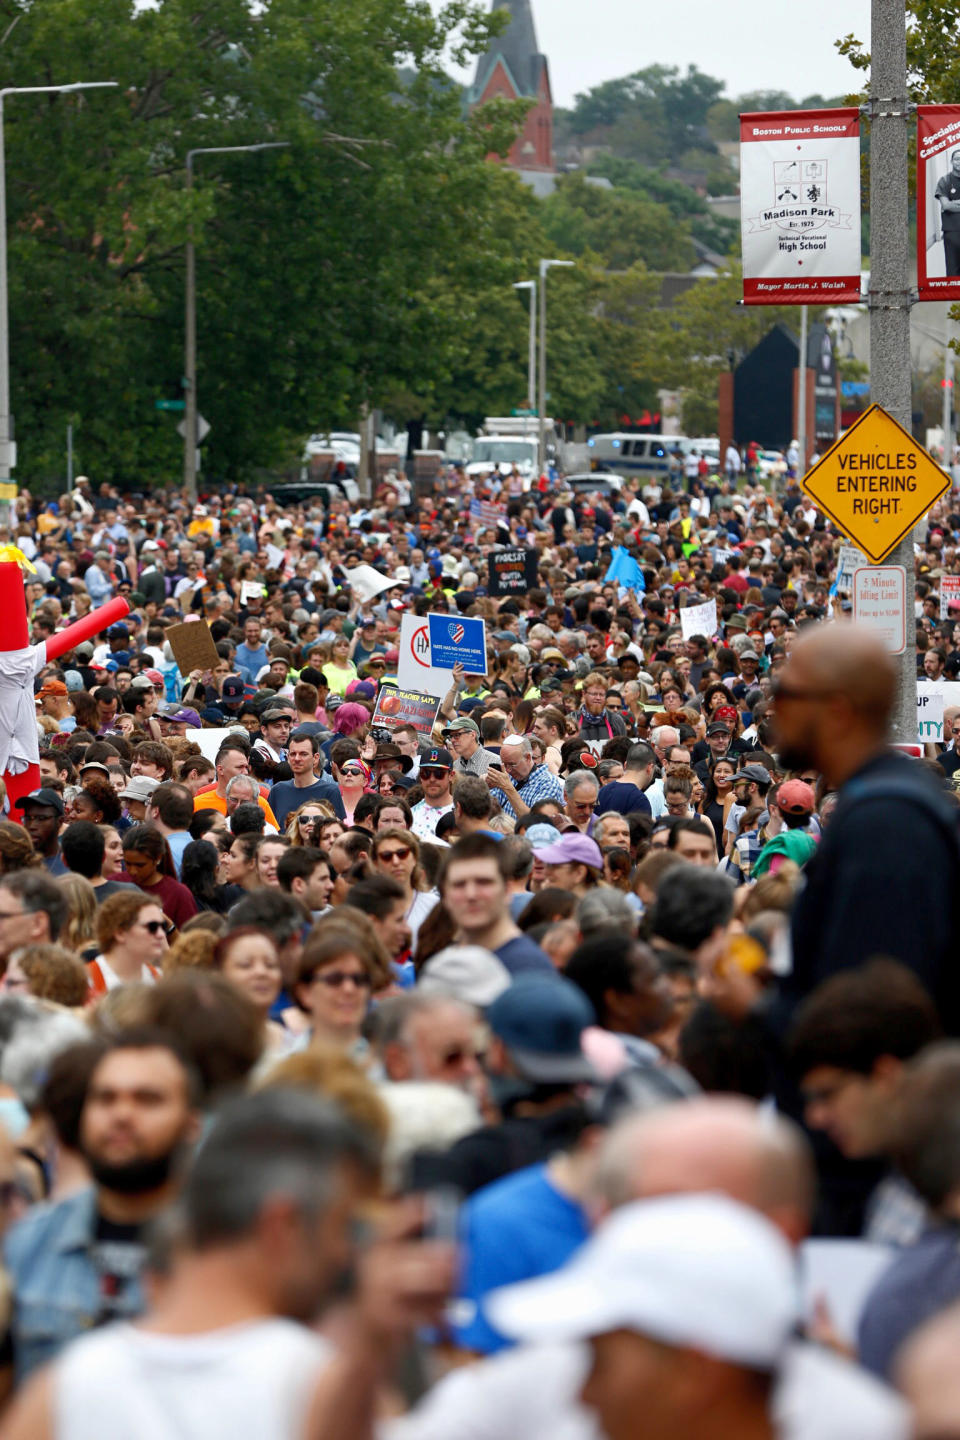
<point>698,1272</point>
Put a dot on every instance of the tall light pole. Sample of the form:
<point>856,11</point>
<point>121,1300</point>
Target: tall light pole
<point>190,322</point>
<point>545,267</point>
<point>802,395</point>
<point>531,285</point>
<point>5,436</point>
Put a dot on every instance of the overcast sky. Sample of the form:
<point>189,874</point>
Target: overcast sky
<point>751,44</point>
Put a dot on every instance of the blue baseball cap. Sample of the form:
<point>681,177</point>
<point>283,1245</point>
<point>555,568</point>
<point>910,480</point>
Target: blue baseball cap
<point>541,1020</point>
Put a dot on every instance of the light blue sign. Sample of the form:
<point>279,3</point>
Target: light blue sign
<point>457,640</point>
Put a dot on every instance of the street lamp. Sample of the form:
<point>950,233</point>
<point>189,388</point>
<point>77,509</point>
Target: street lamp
<point>531,285</point>
<point>545,267</point>
<point>5,447</point>
<point>190,324</point>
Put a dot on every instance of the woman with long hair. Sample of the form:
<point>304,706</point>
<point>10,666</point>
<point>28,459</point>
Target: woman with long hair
<point>300,822</point>
<point>396,853</point>
<point>113,853</point>
<point>338,975</point>
<point>199,868</point>
<point>80,931</point>
<point>239,864</point>
<point>248,958</point>
<point>354,780</point>
<point>16,849</point>
<point>718,796</point>
<point>149,865</point>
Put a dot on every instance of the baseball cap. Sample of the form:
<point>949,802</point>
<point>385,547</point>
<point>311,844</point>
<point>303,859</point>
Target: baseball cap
<point>759,773</point>
<point>73,680</point>
<point>52,687</point>
<point>541,836</point>
<point>41,797</point>
<point>139,787</point>
<point>796,797</point>
<point>232,688</point>
<point>153,676</point>
<point>84,651</point>
<point>141,682</point>
<point>552,653</point>
<point>467,972</point>
<point>698,1272</point>
<point>541,1020</point>
<point>718,728</point>
<point>436,760</point>
<point>573,846</point>
<point>462,722</point>
<point>181,715</point>
<point>118,632</point>
<point>749,655</point>
<point>93,765</point>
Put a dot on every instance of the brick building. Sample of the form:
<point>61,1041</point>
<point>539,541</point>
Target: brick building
<point>513,69</point>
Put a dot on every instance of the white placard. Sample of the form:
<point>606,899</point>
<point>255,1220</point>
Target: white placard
<point>880,603</point>
<point>250,590</point>
<point>209,741</point>
<point>849,560</point>
<point>800,207</point>
<point>840,1274</point>
<point>414,671</point>
<point>930,703</point>
<point>366,582</point>
<point>699,620</point>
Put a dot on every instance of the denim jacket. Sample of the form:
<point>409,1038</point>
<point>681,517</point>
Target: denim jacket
<point>58,1286</point>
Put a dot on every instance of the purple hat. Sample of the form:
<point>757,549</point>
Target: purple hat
<point>574,847</point>
<point>182,715</point>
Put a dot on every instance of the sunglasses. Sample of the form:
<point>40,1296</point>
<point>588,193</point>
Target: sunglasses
<point>433,774</point>
<point>389,855</point>
<point>336,979</point>
<point>155,926</point>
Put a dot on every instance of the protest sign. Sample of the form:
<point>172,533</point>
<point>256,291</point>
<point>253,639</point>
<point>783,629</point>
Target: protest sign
<point>457,640</point>
<point>415,670</point>
<point>367,582</point>
<point>512,572</point>
<point>930,703</point>
<point>699,620</point>
<point>949,596</point>
<point>250,590</point>
<point>209,741</point>
<point>849,560</point>
<point>193,646</point>
<point>406,707</point>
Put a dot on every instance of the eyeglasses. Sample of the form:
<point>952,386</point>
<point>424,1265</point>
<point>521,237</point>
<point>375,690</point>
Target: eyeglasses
<point>388,855</point>
<point>155,926</point>
<point>336,979</point>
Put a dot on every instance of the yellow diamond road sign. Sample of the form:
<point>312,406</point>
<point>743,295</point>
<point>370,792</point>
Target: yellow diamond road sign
<point>876,483</point>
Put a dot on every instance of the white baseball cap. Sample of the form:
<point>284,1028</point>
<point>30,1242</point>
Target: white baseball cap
<point>466,972</point>
<point>699,1272</point>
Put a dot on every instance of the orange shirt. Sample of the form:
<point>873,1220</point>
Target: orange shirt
<point>210,800</point>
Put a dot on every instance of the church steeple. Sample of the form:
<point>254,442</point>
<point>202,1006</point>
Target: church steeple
<point>514,68</point>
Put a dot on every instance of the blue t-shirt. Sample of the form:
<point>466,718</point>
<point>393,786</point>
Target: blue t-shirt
<point>625,799</point>
<point>285,797</point>
<point>522,954</point>
<point>516,1229</point>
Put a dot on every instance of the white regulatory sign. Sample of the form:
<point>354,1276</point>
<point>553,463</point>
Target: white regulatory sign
<point>880,603</point>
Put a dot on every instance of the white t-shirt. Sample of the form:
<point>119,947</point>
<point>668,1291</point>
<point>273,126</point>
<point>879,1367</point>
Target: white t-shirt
<point>532,1392</point>
<point>255,1380</point>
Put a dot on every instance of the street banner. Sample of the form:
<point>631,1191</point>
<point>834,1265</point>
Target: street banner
<point>699,620</point>
<point>415,671</point>
<point>938,202</point>
<point>406,707</point>
<point>512,572</point>
<point>949,597</point>
<point>457,640</point>
<point>800,207</point>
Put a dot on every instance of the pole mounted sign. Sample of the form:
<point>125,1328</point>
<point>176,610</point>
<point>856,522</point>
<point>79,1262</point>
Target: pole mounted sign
<point>876,483</point>
<point>800,207</point>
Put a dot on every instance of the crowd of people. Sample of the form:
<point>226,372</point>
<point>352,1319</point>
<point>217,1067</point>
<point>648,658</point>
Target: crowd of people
<point>361,1078</point>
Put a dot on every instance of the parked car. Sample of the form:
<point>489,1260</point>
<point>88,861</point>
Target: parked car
<point>297,492</point>
<point>596,482</point>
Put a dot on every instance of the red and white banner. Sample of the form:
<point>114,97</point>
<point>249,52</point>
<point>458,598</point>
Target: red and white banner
<point>800,207</point>
<point>938,202</point>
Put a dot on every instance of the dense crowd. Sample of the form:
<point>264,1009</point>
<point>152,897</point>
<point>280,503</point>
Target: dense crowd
<point>490,1078</point>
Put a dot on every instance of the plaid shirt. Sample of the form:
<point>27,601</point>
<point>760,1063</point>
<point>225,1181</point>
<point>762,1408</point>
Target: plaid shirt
<point>540,784</point>
<point>745,854</point>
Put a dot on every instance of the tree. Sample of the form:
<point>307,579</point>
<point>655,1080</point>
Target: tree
<point>620,226</point>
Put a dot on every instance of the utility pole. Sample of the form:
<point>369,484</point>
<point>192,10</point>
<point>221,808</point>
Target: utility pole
<point>531,285</point>
<point>948,420</point>
<point>890,296</point>
<point>802,396</point>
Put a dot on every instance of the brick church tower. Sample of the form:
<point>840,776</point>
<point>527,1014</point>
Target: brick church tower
<point>513,69</point>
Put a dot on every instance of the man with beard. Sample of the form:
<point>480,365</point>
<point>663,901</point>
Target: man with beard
<point>79,1263</point>
<point>886,874</point>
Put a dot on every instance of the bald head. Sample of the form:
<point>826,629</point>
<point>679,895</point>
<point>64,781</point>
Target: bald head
<point>712,1144</point>
<point>926,1373</point>
<point>849,662</point>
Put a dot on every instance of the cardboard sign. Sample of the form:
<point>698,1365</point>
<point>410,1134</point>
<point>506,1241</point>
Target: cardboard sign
<point>415,672</point>
<point>512,572</point>
<point>880,603</point>
<point>193,646</point>
<point>406,707</point>
<point>849,560</point>
<point>876,483</point>
<point>949,597</point>
<point>699,620</point>
<point>458,640</point>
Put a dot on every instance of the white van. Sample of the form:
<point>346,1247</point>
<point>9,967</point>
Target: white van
<point>632,455</point>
